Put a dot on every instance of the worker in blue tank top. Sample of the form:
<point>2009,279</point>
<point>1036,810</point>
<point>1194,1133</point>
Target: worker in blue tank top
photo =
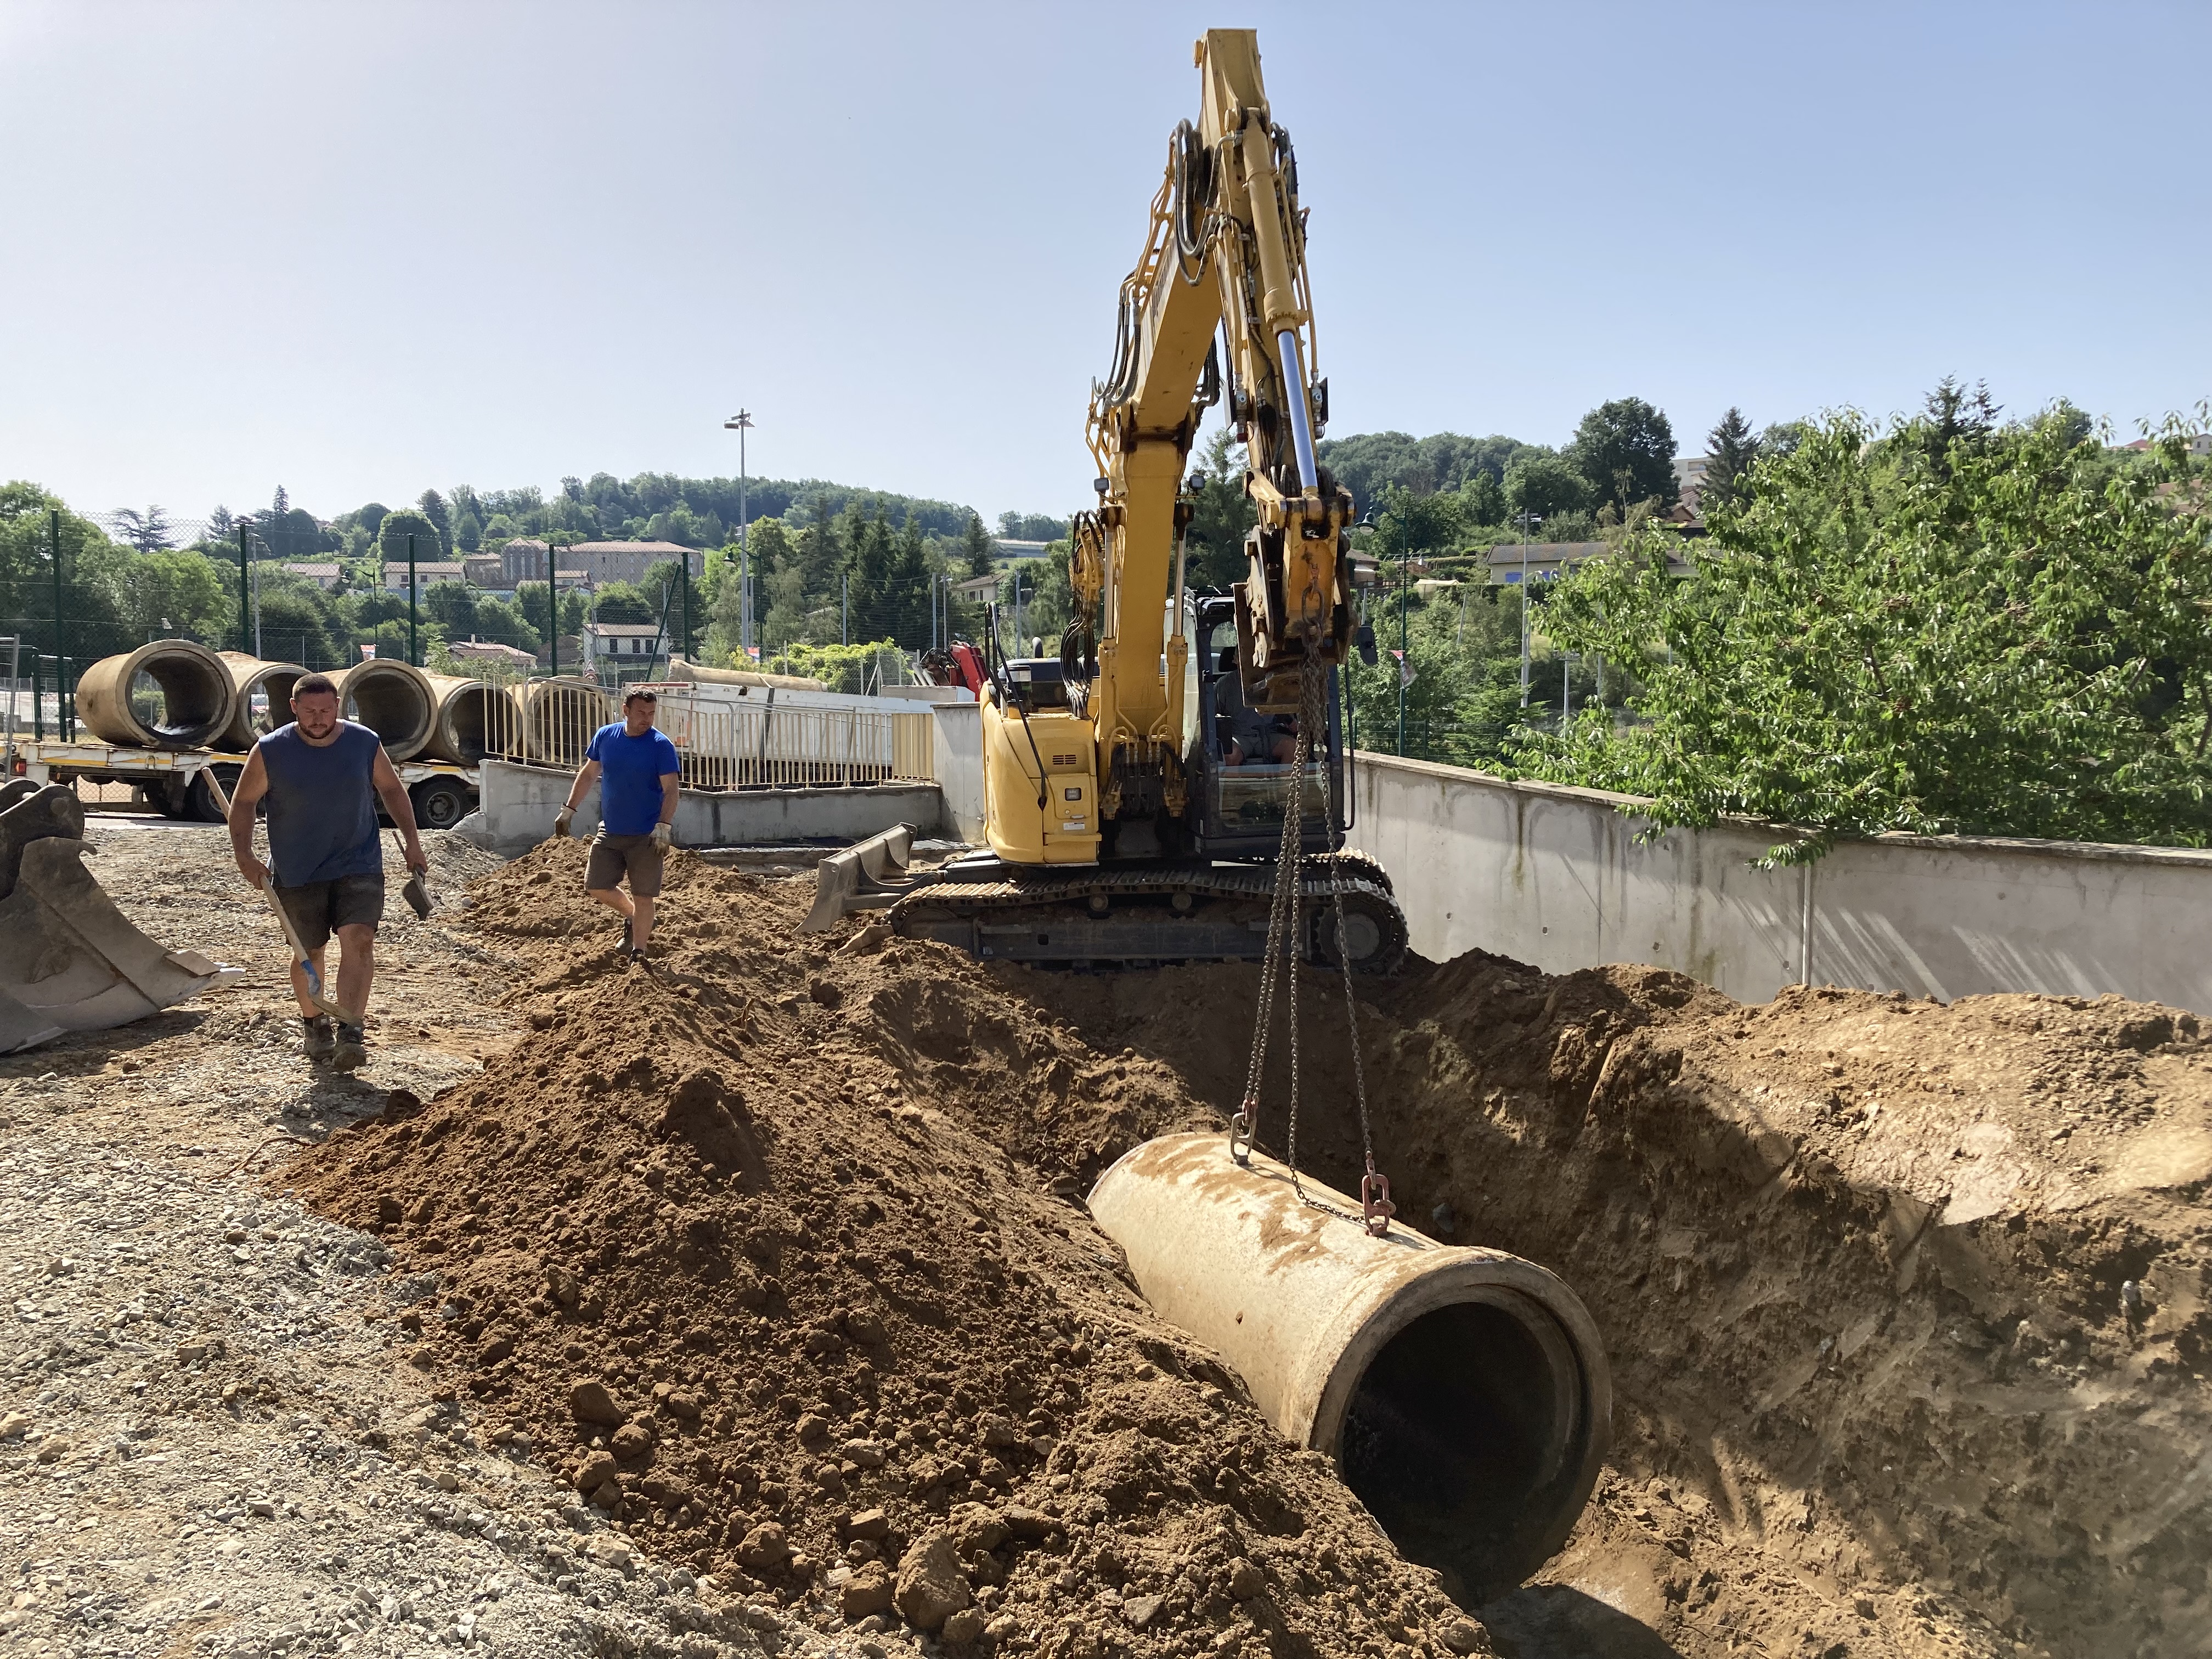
<point>322,777</point>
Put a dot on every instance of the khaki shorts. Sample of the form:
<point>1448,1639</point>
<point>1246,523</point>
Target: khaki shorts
<point>615,856</point>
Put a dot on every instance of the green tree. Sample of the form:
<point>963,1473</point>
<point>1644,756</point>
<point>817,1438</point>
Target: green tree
<point>1730,449</point>
<point>975,542</point>
<point>1543,486</point>
<point>1988,633</point>
<point>622,602</point>
<point>170,594</point>
<point>1222,515</point>
<point>1626,450</point>
<point>453,605</point>
<point>147,531</point>
<point>397,526</point>
<point>434,508</point>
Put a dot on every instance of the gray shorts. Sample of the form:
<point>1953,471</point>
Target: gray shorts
<point>615,856</point>
<point>320,908</point>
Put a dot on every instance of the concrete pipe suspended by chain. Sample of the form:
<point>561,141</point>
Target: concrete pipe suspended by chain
<point>1463,1394</point>
<point>185,703</point>
<point>474,718</point>
<point>261,698</point>
<point>393,699</point>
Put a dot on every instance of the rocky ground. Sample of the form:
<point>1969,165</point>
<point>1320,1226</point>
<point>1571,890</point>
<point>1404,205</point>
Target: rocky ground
<point>750,1301</point>
<point>205,1445</point>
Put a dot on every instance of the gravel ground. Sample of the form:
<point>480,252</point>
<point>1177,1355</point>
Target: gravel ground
<point>210,1441</point>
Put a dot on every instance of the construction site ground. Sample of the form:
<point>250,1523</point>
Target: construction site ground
<point>748,1304</point>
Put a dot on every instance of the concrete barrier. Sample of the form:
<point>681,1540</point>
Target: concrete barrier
<point>956,757</point>
<point>1557,878</point>
<point>516,806</point>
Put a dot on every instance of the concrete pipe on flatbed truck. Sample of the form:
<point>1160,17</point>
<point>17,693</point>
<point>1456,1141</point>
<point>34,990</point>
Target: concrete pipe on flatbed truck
<point>70,961</point>
<point>1463,1394</point>
<point>392,699</point>
<point>171,694</point>
<point>261,699</point>
<point>474,718</point>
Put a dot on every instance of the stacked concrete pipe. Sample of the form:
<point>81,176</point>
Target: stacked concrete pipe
<point>473,718</point>
<point>394,700</point>
<point>273,680</point>
<point>1463,1394</point>
<point>196,694</point>
<point>560,717</point>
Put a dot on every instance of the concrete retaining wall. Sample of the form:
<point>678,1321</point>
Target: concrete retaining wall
<point>956,748</point>
<point>1556,876</point>
<point>516,805</point>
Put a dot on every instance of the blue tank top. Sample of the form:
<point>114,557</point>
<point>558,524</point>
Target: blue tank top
<point>322,806</point>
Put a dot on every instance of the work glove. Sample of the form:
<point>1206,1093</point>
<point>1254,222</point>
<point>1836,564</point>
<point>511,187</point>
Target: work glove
<point>662,834</point>
<point>562,819</point>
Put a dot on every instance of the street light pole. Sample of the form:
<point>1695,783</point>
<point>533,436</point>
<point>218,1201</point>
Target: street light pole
<point>741,422</point>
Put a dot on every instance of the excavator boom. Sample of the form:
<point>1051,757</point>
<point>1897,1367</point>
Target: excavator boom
<point>1115,828</point>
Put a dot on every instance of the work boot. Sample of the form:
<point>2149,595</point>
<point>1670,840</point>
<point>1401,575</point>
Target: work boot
<point>319,1035</point>
<point>352,1049</point>
<point>626,949</point>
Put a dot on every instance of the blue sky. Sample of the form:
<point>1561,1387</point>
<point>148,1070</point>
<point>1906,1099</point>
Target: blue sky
<point>361,250</point>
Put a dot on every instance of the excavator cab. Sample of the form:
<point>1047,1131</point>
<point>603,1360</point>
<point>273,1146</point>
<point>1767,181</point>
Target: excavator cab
<point>1237,799</point>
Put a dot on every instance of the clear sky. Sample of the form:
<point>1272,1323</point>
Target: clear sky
<point>361,250</point>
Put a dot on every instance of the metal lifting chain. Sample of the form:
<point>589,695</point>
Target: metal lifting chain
<point>1284,931</point>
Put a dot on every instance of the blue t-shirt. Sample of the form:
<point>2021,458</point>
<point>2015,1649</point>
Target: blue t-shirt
<point>322,805</point>
<point>630,771</point>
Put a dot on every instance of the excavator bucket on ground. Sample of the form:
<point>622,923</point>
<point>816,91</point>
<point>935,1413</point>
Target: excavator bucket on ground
<point>869,875</point>
<point>69,959</point>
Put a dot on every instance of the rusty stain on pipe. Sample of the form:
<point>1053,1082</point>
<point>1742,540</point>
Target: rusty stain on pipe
<point>1463,1392</point>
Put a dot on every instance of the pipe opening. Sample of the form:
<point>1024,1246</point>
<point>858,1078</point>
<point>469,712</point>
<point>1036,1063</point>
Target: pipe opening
<point>1459,1435</point>
<point>268,699</point>
<point>468,721</point>
<point>177,701</point>
<point>396,706</point>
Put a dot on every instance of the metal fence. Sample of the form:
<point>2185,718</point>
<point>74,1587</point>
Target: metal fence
<point>779,745</point>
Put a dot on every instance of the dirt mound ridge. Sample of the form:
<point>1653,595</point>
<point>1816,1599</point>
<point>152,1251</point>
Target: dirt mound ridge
<point>1907,1304</point>
<point>738,1243</point>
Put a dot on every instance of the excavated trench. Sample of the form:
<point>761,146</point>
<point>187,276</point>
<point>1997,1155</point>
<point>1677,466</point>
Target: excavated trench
<point>1857,1264</point>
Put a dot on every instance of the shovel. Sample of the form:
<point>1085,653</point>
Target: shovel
<point>300,959</point>
<point>416,894</point>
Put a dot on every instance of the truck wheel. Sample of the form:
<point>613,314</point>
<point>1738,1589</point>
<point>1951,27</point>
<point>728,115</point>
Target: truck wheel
<point>199,800</point>
<point>440,803</point>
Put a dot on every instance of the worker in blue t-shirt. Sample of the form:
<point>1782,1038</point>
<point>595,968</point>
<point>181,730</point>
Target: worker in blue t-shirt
<point>638,771</point>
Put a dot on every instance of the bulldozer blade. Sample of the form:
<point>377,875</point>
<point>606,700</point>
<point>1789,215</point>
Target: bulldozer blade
<point>869,875</point>
<point>70,961</point>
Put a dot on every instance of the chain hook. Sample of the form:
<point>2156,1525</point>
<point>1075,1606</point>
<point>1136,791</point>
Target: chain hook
<point>1242,1128</point>
<point>1375,1201</point>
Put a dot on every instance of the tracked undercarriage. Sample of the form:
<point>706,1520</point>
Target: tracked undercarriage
<point>1136,916</point>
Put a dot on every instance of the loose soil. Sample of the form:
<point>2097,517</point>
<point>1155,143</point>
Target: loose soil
<point>778,1246</point>
<point>764,1244</point>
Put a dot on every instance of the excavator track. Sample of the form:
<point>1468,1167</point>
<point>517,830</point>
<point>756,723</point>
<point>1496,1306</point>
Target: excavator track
<point>1150,914</point>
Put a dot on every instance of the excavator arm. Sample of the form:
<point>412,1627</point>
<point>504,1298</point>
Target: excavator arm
<point>1224,266</point>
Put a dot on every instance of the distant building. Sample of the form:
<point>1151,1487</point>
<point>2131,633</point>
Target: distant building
<point>1543,560</point>
<point>505,656</point>
<point>485,570</point>
<point>324,576</point>
<point>619,644</point>
<point>427,571</point>
<point>595,563</point>
<point>1009,551</point>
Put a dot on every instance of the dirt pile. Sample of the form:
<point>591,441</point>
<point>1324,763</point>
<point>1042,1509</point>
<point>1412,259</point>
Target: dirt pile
<point>1907,1304</point>
<point>738,1243</point>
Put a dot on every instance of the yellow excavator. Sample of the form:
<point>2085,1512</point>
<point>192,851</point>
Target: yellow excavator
<point>1144,790</point>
